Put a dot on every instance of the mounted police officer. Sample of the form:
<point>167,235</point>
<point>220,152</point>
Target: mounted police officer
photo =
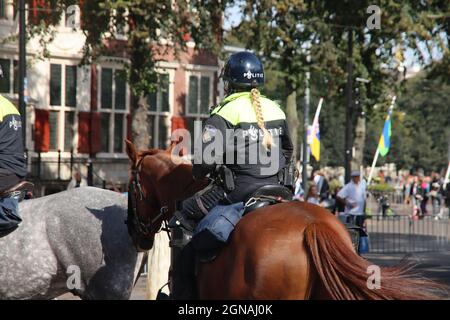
<point>13,168</point>
<point>251,146</point>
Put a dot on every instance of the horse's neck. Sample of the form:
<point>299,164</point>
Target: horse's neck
<point>182,177</point>
<point>177,178</point>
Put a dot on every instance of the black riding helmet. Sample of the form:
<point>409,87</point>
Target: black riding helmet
<point>243,70</point>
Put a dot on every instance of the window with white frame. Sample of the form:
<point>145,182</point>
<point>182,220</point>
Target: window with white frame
<point>113,108</point>
<point>63,102</point>
<point>159,113</point>
<point>10,81</point>
<point>199,97</point>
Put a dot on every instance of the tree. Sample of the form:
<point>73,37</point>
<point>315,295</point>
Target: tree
<point>420,129</point>
<point>283,29</point>
<point>144,24</point>
<point>272,28</point>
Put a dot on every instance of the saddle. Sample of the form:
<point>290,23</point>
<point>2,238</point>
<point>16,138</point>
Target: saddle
<point>224,219</point>
<point>267,195</point>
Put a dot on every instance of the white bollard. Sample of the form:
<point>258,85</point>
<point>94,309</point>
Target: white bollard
<point>158,265</point>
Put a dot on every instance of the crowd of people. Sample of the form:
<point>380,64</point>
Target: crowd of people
<point>426,194</point>
<point>421,190</point>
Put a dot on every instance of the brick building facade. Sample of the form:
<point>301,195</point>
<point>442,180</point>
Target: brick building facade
<point>81,114</point>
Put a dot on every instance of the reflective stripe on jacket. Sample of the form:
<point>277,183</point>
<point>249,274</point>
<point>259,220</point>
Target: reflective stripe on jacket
<point>12,158</point>
<point>232,131</point>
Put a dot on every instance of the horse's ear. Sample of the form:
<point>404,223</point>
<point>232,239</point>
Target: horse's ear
<point>131,150</point>
<point>173,144</point>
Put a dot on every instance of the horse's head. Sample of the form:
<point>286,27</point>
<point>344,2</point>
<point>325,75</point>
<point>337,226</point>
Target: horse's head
<point>156,182</point>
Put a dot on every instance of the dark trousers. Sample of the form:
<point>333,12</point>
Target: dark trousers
<point>357,220</point>
<point>182,273</point>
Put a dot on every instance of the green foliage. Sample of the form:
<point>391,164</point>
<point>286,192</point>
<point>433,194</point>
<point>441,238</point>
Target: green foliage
<point>282,30</point>
<point>420,126</point>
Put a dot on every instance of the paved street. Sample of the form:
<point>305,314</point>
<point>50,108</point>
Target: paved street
<point>137,294</point>
<point>432,265</point>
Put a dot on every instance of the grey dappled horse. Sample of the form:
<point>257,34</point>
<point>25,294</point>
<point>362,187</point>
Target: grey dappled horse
<point>82,228</point>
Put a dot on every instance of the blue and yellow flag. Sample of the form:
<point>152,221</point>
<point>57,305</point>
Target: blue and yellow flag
<point>314,134</point>
<point>315,144</point>
<point>385,139</point>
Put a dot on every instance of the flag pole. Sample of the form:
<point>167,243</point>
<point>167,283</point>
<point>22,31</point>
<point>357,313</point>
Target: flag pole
<point>315,119</point>
<point>377,153</point>
<point>447,176</point>
<point>375,159</point>
<point>319,108</point>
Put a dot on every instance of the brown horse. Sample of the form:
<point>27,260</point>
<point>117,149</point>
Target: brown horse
<point>292,250</point>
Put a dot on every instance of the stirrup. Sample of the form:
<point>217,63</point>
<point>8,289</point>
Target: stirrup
<point>19,190</point>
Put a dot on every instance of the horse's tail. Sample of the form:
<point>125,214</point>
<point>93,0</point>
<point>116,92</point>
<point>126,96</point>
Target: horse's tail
<point>345,275</point>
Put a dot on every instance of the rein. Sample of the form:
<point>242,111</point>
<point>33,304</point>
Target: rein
<point>135,194</point>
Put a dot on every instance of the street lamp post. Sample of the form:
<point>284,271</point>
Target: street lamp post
<point>349,113</point>
<point>305,152</point>
<point>22,69</point>
<point>305,139</point>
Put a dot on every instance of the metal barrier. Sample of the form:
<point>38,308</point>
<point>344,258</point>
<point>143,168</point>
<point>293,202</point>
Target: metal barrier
<point>400,233</point>
<point>50,169</point>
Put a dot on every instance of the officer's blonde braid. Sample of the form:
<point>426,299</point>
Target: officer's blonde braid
<point>267,139</point>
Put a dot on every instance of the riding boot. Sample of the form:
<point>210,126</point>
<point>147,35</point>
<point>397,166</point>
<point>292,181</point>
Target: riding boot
<point>18,191</point>
<point>188,272</point>
<point>181,274</point>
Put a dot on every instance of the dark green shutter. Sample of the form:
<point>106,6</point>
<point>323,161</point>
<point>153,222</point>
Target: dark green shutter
<point>105,131</point>
<point>193,95</point>
<point>152,101</point>
<point>16,76</point>
<point>118,132</point>
<point>121,90</point>
<point>204,95</point>
<point>71,86</point>
<point>54,128</point>
<point>55,84</point>
<point>106,88</point>
<point>164,87</point>
<point>69,123</point>
<point>5,82</point>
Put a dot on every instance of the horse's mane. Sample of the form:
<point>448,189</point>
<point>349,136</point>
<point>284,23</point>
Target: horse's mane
<point>163,165</point>
<point>165,156</point>
<point>149,152</point>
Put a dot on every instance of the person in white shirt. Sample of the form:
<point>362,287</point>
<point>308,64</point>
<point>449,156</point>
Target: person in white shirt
<point>353,194</point>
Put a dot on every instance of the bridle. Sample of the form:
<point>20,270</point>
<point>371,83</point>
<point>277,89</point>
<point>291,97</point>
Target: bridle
<point>135,194</point>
